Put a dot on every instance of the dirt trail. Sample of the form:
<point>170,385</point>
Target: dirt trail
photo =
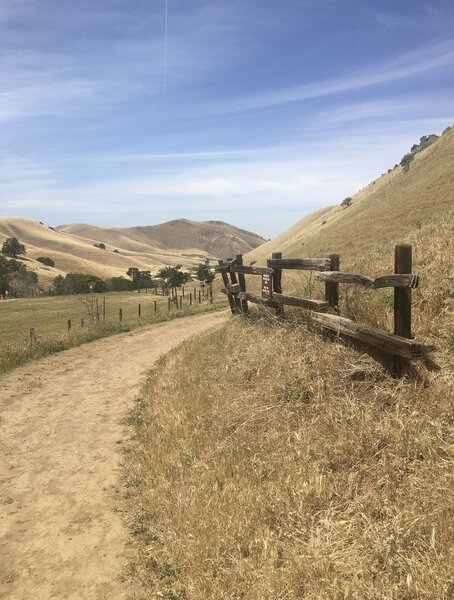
<point>60,448</point>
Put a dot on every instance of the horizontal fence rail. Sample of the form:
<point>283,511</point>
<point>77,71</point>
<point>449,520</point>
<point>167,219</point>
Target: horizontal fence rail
<point>400,343</point>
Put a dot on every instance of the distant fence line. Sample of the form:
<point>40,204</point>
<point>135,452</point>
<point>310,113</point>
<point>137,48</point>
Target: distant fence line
<point>176,300</point>
<point>400,343</point>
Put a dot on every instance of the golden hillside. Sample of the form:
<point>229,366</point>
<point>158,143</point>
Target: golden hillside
<point>71,246</point>
<point>215,238</point>
<point>381,214</point>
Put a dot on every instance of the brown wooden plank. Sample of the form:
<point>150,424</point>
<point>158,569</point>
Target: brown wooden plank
<point>256,299</point>
<point>387,342</point>
<point>251,270</point>
<point>303,264</point>
<point>222,269</point>
<point>398,280</point>
<point>318,305</point>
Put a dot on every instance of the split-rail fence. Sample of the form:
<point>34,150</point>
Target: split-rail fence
<point>400,343</point>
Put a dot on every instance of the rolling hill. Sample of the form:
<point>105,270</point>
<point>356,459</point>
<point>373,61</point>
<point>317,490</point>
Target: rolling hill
<point>148,248</point>
<point>380,214</point>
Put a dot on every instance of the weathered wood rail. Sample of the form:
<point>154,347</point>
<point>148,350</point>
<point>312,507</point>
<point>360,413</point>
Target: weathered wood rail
<point>400,343</point>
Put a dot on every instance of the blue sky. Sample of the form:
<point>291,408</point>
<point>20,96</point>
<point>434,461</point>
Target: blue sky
<point>255,112</point>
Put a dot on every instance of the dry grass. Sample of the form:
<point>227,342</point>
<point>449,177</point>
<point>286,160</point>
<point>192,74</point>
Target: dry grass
<point>270,462</point>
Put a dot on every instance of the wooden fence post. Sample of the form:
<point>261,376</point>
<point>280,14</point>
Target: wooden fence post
<point>181,302</point>
<point>242,282</point>
<point>225,280</point>
<point>211,294</point>
<point>155,306</point>
<point>103,309</point>
<point>277,284</point>
<point>234,281</point>
<point>139,310</point>
<point>168,304</point>
<point>402,301</point>
<point>182,290</point>
<point>190,299</point>
<point>120,315</point>
<point>69,325</point>
<point>97,310</point>
<point>332,289</point>
<point>200,297</point>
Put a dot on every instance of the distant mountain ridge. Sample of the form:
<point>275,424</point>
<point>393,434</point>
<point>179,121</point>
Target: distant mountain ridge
<point>73,247</point>
<point>217,238</point>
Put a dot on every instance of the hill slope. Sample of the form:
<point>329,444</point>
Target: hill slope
<point>381,213</point>
<point>148,248</point>
<point>216,238</point>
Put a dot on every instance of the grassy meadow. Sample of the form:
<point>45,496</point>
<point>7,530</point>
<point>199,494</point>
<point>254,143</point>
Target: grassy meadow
<point>49,315</point>
<point>270,461</point>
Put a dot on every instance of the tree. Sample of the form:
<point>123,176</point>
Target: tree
<point>173,277</point>
<point>204,273</point>
<point>12,247</point>
<point>101,246</point>
<point>346,202</point>
<point>78,283</point>
<point>16,278</point>
<point>45,260</point>
<point>140,278</point>
<point>120,284</point>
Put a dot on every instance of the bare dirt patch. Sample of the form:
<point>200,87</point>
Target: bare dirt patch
<point>60,450</point>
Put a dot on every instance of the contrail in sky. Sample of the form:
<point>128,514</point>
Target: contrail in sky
<point>165,56</point>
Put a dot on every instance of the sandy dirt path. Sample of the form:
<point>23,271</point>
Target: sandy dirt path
<point>61,436</point>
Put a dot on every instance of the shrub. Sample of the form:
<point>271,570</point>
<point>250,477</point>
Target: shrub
<point>346,202</point>
<point>45,260</point>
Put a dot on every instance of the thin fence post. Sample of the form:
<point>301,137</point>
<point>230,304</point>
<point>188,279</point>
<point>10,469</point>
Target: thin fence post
<point>277,283</point>
<point>242,282</point>
<point>82,323</point>
<point>139,310</point>
<point>211,294</point>
<point>181,302</point>
<point>120,314</point>
<point>69,325</point>
<point>200,297</point>
<point>168,304</point>
<point>332,289</point>
<point>190,299</point>
<point>182,289</point>
<point>402,301</point>
<point>155,306</point>
<point>97,310</point>
<point>103,309</point>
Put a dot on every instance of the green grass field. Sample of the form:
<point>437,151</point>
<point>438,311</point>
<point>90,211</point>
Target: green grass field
<point>48,317</point>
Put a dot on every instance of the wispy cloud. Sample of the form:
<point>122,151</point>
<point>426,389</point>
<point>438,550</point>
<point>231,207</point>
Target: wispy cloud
<point>411,64</point>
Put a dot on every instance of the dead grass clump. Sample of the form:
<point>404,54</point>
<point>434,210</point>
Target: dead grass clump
<point>271,463</point>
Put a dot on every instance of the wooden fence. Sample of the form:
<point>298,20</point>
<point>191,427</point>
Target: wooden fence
<point>400,343</point>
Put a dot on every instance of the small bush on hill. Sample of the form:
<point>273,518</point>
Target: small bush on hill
<point>45,260</point>
<point>346,202</point>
